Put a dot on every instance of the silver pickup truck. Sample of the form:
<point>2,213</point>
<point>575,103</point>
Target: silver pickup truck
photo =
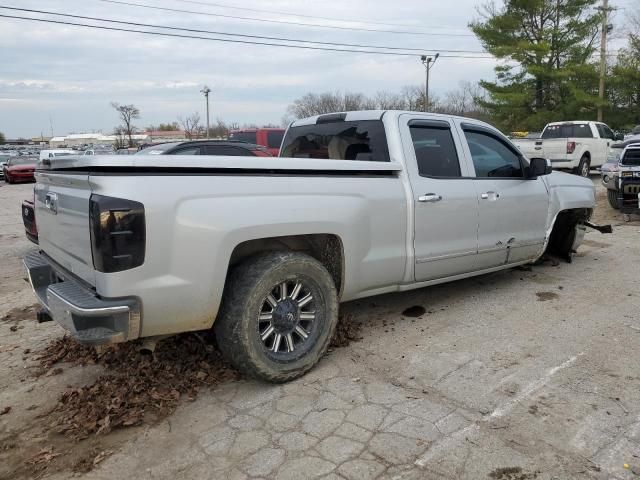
<point>264,249</point>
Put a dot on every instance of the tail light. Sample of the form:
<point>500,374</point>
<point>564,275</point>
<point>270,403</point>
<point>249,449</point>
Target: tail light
<point>571,146</point>
<point>118,233</point>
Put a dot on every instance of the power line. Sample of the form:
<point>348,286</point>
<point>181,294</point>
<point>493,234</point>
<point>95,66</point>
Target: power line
<point>229,40</point>
<point>286,22</point>
<point>261,37</point>
<point>314,17</point>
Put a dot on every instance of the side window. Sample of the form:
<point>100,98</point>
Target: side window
<point>608,133</point>
<point>492,158</point>
<point>601,131</point>
<point>274,139</point>
<point>226,150</point>
<point>187,151</point>
<point>582,130</point>
<point>435,151</point>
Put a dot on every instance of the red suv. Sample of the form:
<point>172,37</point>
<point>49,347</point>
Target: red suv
<point>271,138</point>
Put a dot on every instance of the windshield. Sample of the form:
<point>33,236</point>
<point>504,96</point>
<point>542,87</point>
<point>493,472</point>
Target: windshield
<point>22,161</point>
<point>363,140</point>
<point>631,157</point>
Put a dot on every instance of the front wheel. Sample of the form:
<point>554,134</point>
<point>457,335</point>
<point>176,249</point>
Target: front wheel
<point>612,196</point>
<point>279,312</point>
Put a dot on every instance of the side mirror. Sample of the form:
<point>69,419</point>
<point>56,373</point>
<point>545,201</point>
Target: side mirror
<point>538,167</point>
<point>619,136</point>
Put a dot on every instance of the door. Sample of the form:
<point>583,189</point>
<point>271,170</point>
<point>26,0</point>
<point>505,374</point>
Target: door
<point>444,201</point>
<point>512,208</point>
<point>606,138</point>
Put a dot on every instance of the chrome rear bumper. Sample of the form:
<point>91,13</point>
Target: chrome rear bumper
<point>78,309</point>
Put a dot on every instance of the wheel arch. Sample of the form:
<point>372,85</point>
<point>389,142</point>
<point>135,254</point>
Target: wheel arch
<point>327,248</point>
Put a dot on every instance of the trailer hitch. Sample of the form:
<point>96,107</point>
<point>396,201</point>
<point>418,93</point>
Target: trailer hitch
<point>599,228</point>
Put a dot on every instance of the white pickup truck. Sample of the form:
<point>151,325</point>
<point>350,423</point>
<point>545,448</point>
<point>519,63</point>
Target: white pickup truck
<point>264,249</point>
<point>577,146</point>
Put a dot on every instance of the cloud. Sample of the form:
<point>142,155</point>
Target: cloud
<point>73,73</point>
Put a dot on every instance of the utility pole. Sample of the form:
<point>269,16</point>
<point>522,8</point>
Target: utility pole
<point>603,53</point>
<point>206,91</point>
<point>428,63</point>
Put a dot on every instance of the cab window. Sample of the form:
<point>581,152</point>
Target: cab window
<point>492,157</point>
<point>435,150</point>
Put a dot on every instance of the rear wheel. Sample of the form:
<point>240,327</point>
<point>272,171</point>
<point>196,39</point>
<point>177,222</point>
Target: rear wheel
<point>279,312</point>
<point>612,196</point>
<point>584,167</point>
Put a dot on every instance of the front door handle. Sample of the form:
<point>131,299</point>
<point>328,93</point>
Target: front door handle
<point>489,196</point>
<point>430,198</point>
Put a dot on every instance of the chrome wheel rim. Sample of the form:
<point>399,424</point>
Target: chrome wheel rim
<point>287,318</point>
<point>585,169</point>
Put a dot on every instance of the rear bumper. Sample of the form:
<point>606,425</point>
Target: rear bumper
<point>21,176</point>
<point>90,319</point>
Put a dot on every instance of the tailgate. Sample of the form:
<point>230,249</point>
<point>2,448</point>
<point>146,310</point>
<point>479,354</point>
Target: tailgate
<point>62,210</point>
<point>530,148</point>
<point>555,148</point>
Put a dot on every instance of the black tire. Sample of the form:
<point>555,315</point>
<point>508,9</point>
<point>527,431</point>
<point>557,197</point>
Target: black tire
<point>247,291</point>
<point>612,196</point>
<point>584,167</point>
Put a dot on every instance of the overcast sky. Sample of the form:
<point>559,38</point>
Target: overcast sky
<point>71,74</point>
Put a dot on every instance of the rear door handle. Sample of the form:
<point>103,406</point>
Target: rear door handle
<point>430,198</point>
<point>489,196</point>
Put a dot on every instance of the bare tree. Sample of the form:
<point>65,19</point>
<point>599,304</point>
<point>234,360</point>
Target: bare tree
<point>191,125</point>
<point>127,114</point>
<point>219,130</point>
<point>121,138</point>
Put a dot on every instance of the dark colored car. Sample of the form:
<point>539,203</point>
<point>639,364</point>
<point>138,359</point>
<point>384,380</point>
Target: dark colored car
<point>207,147</point>
<point>29,220</point>
<point>270,138</point>
<point>609,172</point>
<point>20,169</point>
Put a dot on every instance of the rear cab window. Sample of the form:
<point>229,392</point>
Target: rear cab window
<point>360,140</point>
<point>567,130</point>
<point>248,137</point>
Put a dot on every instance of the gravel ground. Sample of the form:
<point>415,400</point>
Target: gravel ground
<point>522,374</point>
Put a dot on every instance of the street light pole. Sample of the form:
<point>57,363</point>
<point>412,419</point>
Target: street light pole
<point>428,63</point>
<point>206,91</point>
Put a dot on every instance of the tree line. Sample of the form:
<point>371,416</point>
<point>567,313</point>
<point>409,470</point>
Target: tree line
<point>548,70</point>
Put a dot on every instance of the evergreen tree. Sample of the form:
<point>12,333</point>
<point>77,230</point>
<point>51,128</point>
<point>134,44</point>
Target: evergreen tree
<point>546,74</point>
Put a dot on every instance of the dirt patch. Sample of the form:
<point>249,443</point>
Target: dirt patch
<point>546,296</point>
<point>347,331</point>
<point>135,389</point>
<point>414,312</point>
<point>512,473</point>
<point>16,315</point>
<point>594,243</point>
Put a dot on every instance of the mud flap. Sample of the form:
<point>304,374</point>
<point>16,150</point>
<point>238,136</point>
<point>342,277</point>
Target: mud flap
<point>599,228</point>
